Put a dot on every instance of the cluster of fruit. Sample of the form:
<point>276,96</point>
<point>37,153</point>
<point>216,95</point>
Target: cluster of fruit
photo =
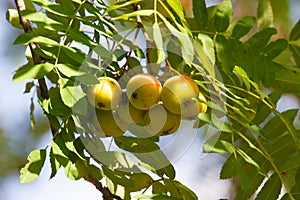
<point>146,102</point>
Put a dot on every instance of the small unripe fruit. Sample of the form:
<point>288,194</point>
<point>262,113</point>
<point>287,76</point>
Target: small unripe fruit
<point>106,94</point>
<point>159,121</point>
<point>143,91</point>
<point>179,93</point>
<point>108,123</point>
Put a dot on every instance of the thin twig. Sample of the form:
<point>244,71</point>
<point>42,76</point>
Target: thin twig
<point>107,195</point>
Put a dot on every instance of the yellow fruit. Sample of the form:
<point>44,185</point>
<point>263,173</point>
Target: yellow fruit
<point>106,94</point>
<point>130,114</point>
<point>143,91</point>
<point>179,93</point>
<point>199,107</point>
<point>159,121</point>
<point>108,123</point>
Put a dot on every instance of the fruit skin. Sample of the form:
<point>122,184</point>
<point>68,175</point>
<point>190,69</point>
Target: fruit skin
<point>159,121</point>
<point>143,91</point>
<point>108,123</point>
<point>179,93</point>
<point>199,107</point>
<point>130,114</point>
<point>106,94</point>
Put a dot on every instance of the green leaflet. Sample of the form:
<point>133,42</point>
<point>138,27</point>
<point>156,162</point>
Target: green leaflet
<point>179,190</point>
<point>54,8</point>
<point>263,111</point>
<point>27,38</point>
<point>40,18</point>
<point>206,53</point>
<point>12,17</point>
<point>148,152</point>
<point>32,169</point>
<point>55,165</point>
<point>224,53</point>
<point>264,14</point>
<point>159,43</point>
<point>276,47</point>
<point>223,16</point>
<point>200,13</point>
<point>243,26</point>
<point>271,189</point>
<point>70,93</point>
<point>32,71</point>
<point>276,127</point>
<point>295,32</point>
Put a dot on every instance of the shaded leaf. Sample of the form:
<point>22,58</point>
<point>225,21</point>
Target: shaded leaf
<point>288,81</point>
<point>260,39</point>
<point>224,53</point>
<point>263,111</point>
<point>200,13</point>
<point>271,189</point>
<point>276,127</point>
<point>33,168</point>
<point>243,26</point>
<point>295,32</point>
<point>276,47</point>
<point>55,165</point>
<point>28,87</point>
<point>223,16</point>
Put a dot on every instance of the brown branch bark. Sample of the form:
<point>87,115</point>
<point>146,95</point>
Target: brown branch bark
<point>36,58</point>
<point>107,195</point>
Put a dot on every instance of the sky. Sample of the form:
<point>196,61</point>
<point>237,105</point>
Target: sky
<point>198,171</point>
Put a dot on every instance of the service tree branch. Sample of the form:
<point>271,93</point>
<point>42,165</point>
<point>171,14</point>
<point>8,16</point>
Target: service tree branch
<point>44,93</point>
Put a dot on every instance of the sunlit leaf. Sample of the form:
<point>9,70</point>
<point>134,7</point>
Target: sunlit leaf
<point>159,43</point>
<point>264,14</point>
<point>32,169</point>
<point>12,17</point>
<point>27,38</point>
<point>39,17</point>
<point>32,71</point>
<point>69,70</point>
<point>70,93</point>
<point>54,8</point>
